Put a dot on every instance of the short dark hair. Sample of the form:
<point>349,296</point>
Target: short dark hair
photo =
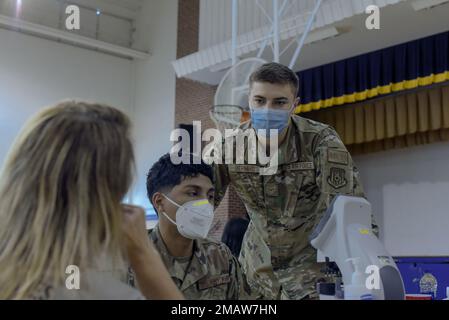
<point>164,174</point>
<point>275,73</point>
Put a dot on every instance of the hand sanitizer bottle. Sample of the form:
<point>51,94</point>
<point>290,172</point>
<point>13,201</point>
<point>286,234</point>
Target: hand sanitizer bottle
<point>357,290</point>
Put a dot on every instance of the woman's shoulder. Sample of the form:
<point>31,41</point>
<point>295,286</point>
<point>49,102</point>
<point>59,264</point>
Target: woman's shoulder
<point>93,285</point>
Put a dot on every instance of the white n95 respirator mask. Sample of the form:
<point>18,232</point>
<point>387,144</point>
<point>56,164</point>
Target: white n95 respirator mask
<point>193,218</point>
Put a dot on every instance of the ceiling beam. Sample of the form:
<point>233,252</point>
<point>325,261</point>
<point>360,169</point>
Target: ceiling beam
<point>109,7</point>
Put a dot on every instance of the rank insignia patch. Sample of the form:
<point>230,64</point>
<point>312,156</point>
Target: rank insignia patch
<point>337,156</point>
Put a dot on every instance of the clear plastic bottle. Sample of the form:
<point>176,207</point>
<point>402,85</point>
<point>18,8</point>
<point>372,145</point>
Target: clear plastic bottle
<point>357,290</point>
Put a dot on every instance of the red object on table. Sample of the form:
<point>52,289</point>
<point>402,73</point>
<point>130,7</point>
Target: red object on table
<point>418,297</point>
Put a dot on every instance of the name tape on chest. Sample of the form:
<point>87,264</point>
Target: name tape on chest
<point>298,166</point>
<point>213,282</point>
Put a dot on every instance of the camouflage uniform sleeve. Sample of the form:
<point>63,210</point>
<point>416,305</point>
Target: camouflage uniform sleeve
<point>238,287</point>
<point>335,171</point>
<point>221,182</point>
<point>215,157</point>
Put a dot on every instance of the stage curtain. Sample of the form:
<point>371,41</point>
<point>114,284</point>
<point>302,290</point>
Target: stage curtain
<point>403,120</point>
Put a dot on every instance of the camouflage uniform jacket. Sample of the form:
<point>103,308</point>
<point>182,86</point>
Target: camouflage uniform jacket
<point>212,273</point>
<point>313,167</point>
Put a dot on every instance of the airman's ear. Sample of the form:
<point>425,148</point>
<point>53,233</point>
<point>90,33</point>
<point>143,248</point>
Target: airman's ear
<point>157,199</point>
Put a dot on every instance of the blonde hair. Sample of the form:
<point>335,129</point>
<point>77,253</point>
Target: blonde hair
<point>60,193</point>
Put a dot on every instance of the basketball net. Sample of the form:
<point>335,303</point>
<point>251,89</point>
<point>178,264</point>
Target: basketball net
<point>228,117</point>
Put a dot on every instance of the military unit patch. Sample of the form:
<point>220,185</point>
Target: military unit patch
<point>337,178</point>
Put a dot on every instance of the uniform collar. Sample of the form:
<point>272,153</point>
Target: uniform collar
<point>197,268</point>
<point>288,151</point>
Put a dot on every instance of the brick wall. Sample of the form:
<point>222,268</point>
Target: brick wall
<point>194,100</point>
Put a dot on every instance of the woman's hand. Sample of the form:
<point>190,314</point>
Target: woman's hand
<point>135,232</point>
<point>153,279</point>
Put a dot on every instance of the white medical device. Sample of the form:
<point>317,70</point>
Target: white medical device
<point>344,233</point>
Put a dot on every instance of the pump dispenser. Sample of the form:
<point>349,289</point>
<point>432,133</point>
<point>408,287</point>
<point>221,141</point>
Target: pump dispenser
<point>357,290</point>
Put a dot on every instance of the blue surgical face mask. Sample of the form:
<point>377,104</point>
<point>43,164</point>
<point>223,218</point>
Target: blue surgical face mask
<point>270,119</point>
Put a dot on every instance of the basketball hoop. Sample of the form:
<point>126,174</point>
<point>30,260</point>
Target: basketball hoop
<point>231,99</point>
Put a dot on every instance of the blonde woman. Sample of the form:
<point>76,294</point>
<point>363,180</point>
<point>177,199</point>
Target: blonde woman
<point>61,189</point>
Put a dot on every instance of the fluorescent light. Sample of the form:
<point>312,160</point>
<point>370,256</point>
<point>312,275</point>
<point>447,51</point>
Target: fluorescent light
<point>71,38</point>
<point>427,4</point>
<point>19,6</point>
